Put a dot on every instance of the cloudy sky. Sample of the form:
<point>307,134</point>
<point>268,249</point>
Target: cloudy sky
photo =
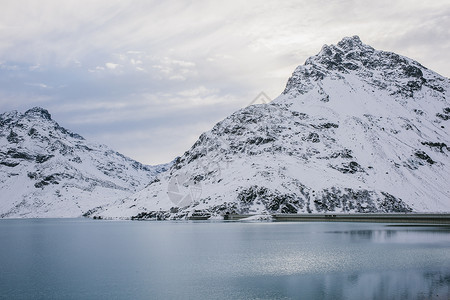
<point>148,77</point>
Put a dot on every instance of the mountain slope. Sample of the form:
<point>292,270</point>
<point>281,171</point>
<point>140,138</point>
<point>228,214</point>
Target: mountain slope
<point>48,171</point>
<point>355,130</point>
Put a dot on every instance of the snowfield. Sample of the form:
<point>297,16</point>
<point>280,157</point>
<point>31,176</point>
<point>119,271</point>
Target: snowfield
<point>356,130</point>
<point>48,171</point>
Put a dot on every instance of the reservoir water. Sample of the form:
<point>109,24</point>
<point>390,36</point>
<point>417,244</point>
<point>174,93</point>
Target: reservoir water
<point>88,259</point>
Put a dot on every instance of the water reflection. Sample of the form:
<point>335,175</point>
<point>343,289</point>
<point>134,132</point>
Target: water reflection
<point>439,282</point>
<point>397,233</point>
<point>198,260</point>
<point>368,235</point>
<point>365,285</point>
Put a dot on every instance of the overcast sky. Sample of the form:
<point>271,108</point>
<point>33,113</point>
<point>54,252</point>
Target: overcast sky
<point>148,77</point>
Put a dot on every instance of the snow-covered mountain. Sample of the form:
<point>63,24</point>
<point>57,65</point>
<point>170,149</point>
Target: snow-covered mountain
<point>48,171</point>
<point>355,130</point>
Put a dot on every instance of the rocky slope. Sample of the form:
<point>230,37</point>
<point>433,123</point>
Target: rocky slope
<point>355,130</point>
<point>48,171</point>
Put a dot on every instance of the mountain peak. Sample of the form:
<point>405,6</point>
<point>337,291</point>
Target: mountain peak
<point>39,112</point>
<point>49,171</point>
<point>388,71</point>
<point>345,46</point>
<point>349,43</point>
<point>349,49</point>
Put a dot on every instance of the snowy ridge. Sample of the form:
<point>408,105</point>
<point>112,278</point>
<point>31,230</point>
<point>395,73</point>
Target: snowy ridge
<point>48,171</point>
<point>355,130</point>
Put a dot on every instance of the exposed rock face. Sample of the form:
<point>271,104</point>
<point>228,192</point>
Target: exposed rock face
<point>48,171</point>
<point>355,130</point>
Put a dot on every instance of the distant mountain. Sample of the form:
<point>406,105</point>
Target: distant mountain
<point>355,130</point>
<point>48,171</point>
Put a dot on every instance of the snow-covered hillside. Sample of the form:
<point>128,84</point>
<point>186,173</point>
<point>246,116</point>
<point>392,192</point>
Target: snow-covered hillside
<point>355,130</point>
<point>48,171</point>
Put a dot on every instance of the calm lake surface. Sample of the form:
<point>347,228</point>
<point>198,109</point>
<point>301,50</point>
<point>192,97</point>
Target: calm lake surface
<point>88,259</point>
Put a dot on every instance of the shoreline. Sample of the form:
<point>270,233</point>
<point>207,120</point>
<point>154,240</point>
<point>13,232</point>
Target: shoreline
<point>422,218</point>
